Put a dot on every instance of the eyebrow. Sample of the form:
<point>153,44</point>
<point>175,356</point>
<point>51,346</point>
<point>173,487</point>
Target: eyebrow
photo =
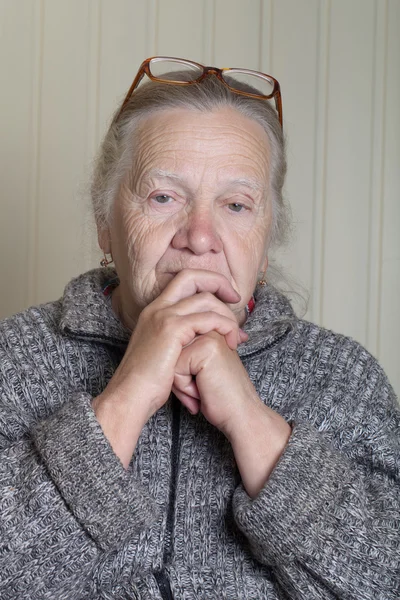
<point>251,183</point>
<point>163,173</point>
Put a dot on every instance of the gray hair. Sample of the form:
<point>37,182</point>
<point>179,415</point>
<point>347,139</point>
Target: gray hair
<point>116,154</point>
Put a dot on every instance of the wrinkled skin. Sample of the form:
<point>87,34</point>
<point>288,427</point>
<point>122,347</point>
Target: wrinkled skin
<point>189,237</point>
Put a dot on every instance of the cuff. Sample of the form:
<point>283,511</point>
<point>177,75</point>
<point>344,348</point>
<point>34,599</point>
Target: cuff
<point>287,516</point>
<point>105,499</point>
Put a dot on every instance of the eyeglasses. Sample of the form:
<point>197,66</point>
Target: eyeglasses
<point>178,71</point>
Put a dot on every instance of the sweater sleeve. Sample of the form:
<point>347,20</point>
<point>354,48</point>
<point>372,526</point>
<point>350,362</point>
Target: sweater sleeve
<point>65,499</point>
<point>327,520</point>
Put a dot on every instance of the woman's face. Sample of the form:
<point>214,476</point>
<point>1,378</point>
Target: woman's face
<point>195,198</point>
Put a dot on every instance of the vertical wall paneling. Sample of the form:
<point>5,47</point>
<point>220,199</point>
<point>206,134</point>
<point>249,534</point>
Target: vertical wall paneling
<point>379,86</point>
<point>320,161</point>
<point>63,143</point>
<point>152,28</point>
<point>297,73</point>
<point>237,33</point>
<point>208,32</point>
<point>127,37</point>
<point>180,29</point>
<point>19,38</point>
<point>36,96</point>
<point>265,60</point>
<point>89,242</point>
<point>390,288</point>
<point>348,183</point>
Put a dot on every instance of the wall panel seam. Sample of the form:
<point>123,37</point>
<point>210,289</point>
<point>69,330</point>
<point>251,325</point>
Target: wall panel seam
<point>271,36</point>
<point>208,32</point>
<point>92,111</point>
<point>265,38</point>
<point>378,93</point>
<point>214,29</point>
<point>260,35</point>
<point>320,160</point>
<point>152,27</point>
<point>35,166</point>
<point>382,180</point>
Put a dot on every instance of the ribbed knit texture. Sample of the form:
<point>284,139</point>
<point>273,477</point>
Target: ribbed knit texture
<point>75,525</point>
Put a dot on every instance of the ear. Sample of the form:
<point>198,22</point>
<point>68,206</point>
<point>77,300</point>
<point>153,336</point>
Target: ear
<point>104,239</point>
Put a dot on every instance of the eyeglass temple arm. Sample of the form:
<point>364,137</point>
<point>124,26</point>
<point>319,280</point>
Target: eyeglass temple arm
<point>134,85</point>
<point>278,104</point>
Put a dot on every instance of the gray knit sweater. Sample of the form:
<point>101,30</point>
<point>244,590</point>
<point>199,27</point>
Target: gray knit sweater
<point>75,525</point>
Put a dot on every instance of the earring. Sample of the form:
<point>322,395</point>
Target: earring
<point>105,262</point>
<point>262,281</point>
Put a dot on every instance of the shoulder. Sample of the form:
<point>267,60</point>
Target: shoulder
<point>311,374</point>
<point>41,364</point>
<point>336,383</point>
<point>29,351</point>
<point>325,349</point>
<point>310,350</point>
<point>29,329</point>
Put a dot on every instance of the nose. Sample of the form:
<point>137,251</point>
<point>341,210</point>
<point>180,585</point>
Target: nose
<point>198,232</point>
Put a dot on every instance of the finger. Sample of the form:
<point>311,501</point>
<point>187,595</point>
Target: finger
<point>198,324</point>
<point>192,404</point>
<point>189,282</point>
<point>203,302</point>
<point>186,384</point>
<point>243,336</point>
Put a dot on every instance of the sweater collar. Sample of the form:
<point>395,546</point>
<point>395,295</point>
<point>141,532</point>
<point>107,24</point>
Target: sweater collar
<point>271,320</point>
<point>87,314</point>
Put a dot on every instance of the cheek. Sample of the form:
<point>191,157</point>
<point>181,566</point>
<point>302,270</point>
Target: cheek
<point>247,252</point>
<point>246,260</point>
<point>146,240</point>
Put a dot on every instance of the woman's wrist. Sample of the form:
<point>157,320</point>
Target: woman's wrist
<point>121,426</point>
<point>258,441</point>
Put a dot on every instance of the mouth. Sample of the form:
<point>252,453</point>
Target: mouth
<point>171,272</point>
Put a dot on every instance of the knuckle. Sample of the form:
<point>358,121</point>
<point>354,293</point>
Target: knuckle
<point>158,320</point>
<point>165,321</point>
<point>168,322</point>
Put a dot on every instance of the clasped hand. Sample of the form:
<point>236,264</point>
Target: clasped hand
<point>186,341</point>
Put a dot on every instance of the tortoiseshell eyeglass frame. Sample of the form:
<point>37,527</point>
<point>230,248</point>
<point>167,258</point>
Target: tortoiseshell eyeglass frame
<point>220,73</point>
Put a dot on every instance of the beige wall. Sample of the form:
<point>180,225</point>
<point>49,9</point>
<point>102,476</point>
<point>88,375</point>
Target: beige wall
<point>65,63</point>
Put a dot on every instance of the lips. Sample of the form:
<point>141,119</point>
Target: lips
<point>174,269</point>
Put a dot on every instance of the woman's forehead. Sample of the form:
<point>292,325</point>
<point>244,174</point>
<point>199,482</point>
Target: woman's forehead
<point>172,142</point>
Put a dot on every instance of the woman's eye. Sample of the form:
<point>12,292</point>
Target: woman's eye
<point>235,207</point>
<point>162,198</point>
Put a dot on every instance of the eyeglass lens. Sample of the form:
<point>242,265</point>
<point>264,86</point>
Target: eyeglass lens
<point>181,70</point>
<point>178,70</point>
<point>242,80</point>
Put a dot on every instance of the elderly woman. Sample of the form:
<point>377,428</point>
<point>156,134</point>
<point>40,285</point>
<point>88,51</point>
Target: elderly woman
<point>170,428</point>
